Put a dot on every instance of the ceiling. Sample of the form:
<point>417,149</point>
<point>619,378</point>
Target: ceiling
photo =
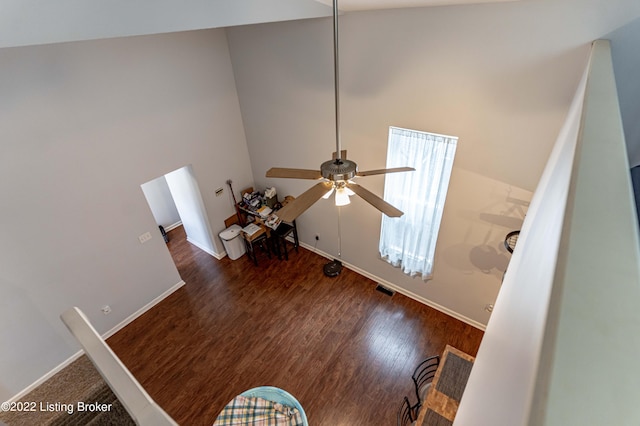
<point>353,5</point>
<point>33,22</point>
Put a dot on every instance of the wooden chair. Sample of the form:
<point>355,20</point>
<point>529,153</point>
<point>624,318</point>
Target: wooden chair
<point>423,376</point>
<point>406,413</point>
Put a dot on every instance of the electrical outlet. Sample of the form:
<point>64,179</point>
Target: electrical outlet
<point>144,237</point>
<point>106,309</point>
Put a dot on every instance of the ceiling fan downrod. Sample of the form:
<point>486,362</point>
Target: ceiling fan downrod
<point>336,79</point>
<point>339,169</point>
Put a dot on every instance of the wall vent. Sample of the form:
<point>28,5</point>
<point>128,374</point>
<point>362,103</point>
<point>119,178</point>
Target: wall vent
<point>385,290</point>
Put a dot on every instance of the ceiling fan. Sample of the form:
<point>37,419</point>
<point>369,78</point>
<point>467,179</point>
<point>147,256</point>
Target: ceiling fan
<point>336,174</point>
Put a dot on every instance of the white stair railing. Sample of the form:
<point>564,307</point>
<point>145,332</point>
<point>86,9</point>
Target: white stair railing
<point>142,409</point>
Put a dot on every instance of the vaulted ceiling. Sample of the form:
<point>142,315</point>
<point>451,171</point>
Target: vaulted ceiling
<point>31,22</point>
<point>34,22</point>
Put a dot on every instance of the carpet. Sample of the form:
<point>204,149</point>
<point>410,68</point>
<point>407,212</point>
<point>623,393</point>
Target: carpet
<point>77,395</point>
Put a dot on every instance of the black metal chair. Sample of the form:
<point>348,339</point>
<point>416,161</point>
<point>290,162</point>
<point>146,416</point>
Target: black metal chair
<point>406,413</point>
<point>281,233</point>
<point>422,378</point>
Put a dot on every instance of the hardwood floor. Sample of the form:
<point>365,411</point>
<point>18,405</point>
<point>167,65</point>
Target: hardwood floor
<point>343,349</point>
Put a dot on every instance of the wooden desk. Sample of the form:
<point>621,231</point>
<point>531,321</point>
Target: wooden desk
<point>445,392</point>
<point>262,221</point>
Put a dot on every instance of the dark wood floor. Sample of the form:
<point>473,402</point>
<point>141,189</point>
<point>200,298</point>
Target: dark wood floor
<point>343,349</point>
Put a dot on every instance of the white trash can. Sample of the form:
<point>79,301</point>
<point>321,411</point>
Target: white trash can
<point>233,242</point>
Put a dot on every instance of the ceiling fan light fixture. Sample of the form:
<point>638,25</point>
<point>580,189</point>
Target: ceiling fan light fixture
<point>328,194</point>
<point>342,197</point>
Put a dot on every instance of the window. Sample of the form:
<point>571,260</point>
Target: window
<point>409,242</point>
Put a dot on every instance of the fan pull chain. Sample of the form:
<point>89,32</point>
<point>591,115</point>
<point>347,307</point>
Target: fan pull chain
<point>339,235</point>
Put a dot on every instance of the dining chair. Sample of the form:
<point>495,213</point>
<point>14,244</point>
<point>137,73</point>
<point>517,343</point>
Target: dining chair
<point>406,413</point>
<point>258,240</point>
<point>281,233</point>
<point>423,376</point>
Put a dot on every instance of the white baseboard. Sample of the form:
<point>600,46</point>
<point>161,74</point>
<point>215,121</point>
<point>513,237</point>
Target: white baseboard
<point>142,310</point>
<point>173,226</point>
<point>400,290</point>
<point>105,336</point>
<point>207,250</point>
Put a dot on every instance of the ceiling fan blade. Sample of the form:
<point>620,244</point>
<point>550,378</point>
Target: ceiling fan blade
<point>278,172</point>
<point>343,154</point>
<point>374,200</point>
<point>383,171</point>
<point>305,200</point>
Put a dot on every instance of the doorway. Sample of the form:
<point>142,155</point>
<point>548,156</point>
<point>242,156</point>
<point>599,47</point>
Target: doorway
<point>175,200</point>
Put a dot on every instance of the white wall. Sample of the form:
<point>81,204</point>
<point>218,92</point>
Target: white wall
<point>160,201</point>
<point>186,193</point>
<point>499,76</point>
<point>83,126</point>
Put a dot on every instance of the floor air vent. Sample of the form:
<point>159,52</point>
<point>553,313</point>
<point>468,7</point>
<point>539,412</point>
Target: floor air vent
<point>383,289</point>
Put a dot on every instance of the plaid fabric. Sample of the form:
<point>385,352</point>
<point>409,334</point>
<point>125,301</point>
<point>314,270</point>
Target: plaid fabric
<point>257,412</point>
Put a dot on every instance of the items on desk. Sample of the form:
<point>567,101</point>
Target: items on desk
<point>252,199</point>
<point>272,221</point>
<point>270,197</point>
<point>265,215</point>
<point>270,192</point>
<point>264,211</point>
<point>262,208</point>
<point>259,204</point>
<point>251,229</point>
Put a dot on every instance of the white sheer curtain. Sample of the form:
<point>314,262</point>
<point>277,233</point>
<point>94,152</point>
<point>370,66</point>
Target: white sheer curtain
<point>409,242</point>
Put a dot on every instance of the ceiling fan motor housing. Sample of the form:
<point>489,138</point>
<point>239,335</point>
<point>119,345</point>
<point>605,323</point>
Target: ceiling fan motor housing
<point>338,169</point>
